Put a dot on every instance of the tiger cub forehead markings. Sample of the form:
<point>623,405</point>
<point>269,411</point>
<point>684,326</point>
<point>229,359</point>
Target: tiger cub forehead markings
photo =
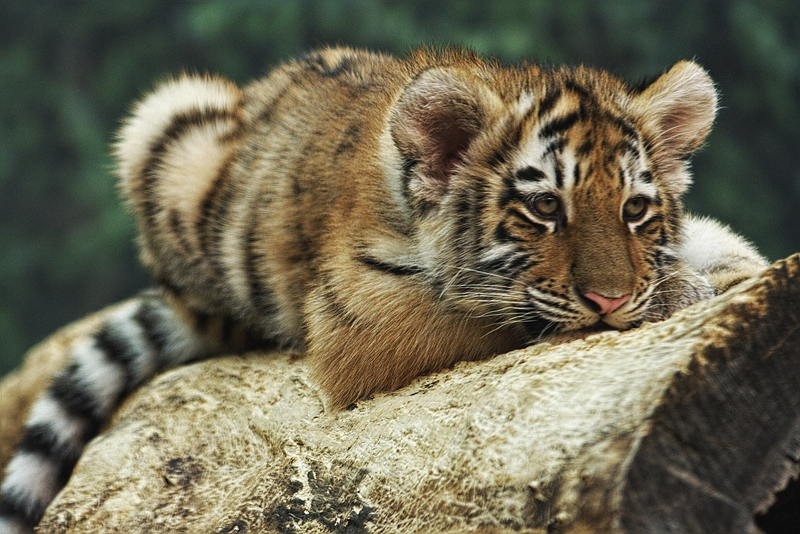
<point>572,144</point>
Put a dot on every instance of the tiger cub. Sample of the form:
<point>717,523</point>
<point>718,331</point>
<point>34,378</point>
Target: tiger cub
<point>390,217</point>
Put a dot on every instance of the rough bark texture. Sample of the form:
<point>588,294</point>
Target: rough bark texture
<point>690,425</point>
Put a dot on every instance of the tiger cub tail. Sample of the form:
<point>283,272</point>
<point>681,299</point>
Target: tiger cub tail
<point>169,153</point>
<point>146,335</point>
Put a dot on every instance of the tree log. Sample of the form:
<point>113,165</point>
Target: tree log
<point>688,425</point>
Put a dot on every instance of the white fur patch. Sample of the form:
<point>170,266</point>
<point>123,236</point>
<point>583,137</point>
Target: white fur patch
<point>709,244</point>
<point>524,104</point>
<point>144,364</point>
<point>192,163</point>
<point>47,411</point>
<point>182,344</point>
<point>8,526</point>
<point>154,114</point>
<point>105,379</point>
<point>30,478</point>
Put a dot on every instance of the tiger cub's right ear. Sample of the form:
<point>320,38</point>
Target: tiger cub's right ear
<point>435,121</point>
<point>677,111</point>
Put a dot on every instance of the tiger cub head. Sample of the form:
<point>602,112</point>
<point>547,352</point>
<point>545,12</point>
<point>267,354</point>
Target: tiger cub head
<point>551,198</point>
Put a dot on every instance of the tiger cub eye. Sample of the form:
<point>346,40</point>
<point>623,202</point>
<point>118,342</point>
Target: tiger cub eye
<point>635,208</point>
<point>547,206</point>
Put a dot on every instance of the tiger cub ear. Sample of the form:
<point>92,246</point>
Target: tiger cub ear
<point>677,111</point>
<point>435,121</point>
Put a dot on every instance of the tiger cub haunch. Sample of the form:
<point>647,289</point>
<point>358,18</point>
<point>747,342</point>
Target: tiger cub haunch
<point>390,217</point>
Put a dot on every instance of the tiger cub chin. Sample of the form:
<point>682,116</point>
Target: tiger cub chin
<point>390,217</point>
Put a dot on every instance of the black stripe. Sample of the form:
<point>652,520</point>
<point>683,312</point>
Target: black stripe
<point>643,303</point>
<point>407,171</point>
<point>480,191</point>
<point>463,211</point>
<point>178,229</point>
<point>312,60</point>
<point>509,264</point>
<point>148,319</point>
<point>229,327</point>
<point>509,193</point>
<point>626,146</point>
<point>502,235</point>
<point>399,270</point>
<point>350,138</point>
<point>509,141</point>
<point>178,126</point>
<point>167,286</point>
<point>27,513</point>
<point>541,228</point>
<point>559,168</point>
<point>642,228</point>
<point>558,301</point>
<point>534,328</point>
<point>496,265</point>
<point>201,320</point>
<point>42,439</point>
<point>575,87</point>
<point>262,298</point>
<point>558,126</point>
<point>72,396</point>
<point>497,159</point>
<point>266,113</point>
<point>213,214</point>
<point>344,65</point>
<point>530,174</point>
<point>585,148</point>
<point>333,306</point>
<point>521,263</point>
<point>116,349</point>
<point>552,304</point>
<point>621,176</point>
<point>549,101</point>
<point>649,144</point>
<point>555,147</point>
<point>576,174</point>
<point>626,127</point>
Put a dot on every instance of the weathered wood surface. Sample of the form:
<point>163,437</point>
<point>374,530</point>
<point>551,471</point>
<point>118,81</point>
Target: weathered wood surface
<point>690,425</point>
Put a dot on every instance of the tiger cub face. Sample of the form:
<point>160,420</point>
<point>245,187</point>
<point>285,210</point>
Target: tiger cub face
<point>556,204</point>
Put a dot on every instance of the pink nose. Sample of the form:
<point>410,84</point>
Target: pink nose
<point>606,304</point>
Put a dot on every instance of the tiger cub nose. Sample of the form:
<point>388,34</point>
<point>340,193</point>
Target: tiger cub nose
<point>604,305</point>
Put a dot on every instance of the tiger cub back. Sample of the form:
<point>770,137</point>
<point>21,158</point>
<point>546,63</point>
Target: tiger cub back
<point>390,217</point>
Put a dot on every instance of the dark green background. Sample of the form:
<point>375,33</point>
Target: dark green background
<point>69,70</point>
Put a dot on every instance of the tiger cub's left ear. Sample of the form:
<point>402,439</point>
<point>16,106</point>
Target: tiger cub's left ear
<point>677,111</point>
<point>434,123</point>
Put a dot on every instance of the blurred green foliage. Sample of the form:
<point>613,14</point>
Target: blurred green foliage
<point>69,70</point>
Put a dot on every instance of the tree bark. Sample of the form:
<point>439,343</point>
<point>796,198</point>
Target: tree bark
<point>688,425</point>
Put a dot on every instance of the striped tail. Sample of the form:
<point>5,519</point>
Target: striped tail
<point>142,338</point>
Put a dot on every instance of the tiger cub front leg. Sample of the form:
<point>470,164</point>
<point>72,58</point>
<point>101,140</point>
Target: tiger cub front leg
<point>710,260</point>
<point>721,256</point>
